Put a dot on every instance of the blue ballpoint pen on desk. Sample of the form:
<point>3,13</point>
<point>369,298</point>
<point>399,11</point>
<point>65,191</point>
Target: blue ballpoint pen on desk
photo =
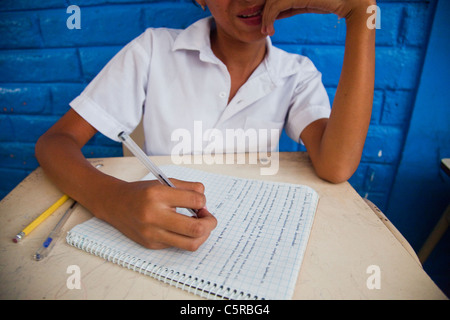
<point>49,242</point>
<point>134,148</point>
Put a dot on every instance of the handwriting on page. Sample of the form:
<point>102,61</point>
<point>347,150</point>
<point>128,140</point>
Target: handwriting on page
<point>259,215</point>
<point>255,251</point>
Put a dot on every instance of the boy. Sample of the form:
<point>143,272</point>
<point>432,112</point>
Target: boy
<point>265,87</point>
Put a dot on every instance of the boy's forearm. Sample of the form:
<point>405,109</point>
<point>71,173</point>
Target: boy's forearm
<point>64,163</point>
<point>345,134</point>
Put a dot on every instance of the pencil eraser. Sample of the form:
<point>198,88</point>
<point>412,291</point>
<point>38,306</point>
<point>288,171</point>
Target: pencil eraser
<point>14,240</point>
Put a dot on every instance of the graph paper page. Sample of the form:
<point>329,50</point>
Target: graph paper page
<point>256,249</point>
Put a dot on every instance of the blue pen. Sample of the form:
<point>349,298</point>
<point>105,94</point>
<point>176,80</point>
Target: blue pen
<point>49,242</point>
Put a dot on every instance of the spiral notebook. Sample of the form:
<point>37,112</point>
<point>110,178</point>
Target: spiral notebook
<point>255,252</point>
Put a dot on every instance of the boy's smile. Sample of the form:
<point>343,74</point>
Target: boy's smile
<point>238,19</point>
<point>251,16</point>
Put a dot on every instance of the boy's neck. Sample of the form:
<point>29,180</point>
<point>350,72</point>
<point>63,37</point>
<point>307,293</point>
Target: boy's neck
<point>237,55</point>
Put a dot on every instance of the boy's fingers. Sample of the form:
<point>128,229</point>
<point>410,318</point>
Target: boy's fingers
<point>188,185</point>
<point>171,239</point>
<point>185,199</point>
<point>188,226</point>
<point>279,9</point>
<point>269,16</point>
<point>176,230</point>
<point>204,213</point>
<point>169,197</point>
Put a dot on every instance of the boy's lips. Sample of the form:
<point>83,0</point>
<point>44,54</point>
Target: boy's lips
<point>253,11</point>
<point>251,16</point>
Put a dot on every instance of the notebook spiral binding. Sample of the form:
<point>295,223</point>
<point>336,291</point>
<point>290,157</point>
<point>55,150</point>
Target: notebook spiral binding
<point>195,285</point>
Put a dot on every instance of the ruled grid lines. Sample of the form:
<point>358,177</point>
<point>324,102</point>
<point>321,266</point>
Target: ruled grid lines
<point>255,251</point>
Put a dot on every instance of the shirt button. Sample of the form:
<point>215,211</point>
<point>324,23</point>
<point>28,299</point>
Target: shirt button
<point>222,94</point>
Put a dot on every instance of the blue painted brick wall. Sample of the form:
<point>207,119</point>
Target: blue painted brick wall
<point>44,65</point>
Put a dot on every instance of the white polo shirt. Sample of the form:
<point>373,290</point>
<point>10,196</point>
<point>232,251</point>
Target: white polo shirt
<point>174,81</point>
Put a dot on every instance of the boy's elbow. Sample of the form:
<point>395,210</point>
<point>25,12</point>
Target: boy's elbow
<point>336,173</point>
<point>39,146</point>
<point>43,147</point>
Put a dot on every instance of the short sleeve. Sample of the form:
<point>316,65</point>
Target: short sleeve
<point>309,102</point>
<point>113,101</point>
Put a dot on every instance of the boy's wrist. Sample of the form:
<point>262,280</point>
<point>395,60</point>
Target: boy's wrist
<point>360,14</point>
<point>108,192</point>
<point>362,5</point>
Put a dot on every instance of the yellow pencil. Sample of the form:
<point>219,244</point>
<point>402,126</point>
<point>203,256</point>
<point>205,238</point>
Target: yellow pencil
<point>40,219</point>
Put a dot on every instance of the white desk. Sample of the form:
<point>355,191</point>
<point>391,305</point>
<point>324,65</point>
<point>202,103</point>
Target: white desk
<point>347,238</point>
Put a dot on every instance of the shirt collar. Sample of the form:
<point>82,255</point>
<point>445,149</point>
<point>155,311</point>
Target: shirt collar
<point>196,37</point>
<point>278,63</point>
